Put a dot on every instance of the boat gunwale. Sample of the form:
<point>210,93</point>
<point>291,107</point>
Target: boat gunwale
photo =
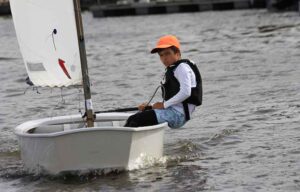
<point>23,129</point>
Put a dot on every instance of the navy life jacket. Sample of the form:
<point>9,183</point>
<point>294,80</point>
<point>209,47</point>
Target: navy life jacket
<point>171,86</point>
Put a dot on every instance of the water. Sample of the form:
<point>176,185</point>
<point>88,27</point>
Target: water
<point>245,137</point>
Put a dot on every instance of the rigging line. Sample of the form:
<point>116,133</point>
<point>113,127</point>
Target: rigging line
<point>60,104</point>
<point>73,119</point>
<point>34,88</point>
<point>79,109</point>
<point>163,88</point>
<point>163,91</point>
<point>37,89</point>
<point>153,95</point>
<point>54,32</point>
<point>62,96</point>
<point>26,89</point>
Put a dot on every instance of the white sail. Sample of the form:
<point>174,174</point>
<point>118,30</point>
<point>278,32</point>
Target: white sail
<point>47,36</point>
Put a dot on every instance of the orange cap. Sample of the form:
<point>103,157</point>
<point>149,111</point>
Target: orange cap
<point>166,42</point>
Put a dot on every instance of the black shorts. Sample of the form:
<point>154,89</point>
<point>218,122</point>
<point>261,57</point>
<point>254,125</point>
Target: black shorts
<point>140,119</point>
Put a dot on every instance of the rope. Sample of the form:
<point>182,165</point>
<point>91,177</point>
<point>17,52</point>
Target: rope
<point>163,91</point>
<point>153,95</point>
<point>54,33</point>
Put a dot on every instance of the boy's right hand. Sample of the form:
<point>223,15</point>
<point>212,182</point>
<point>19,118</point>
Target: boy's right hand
<point>143,106</point>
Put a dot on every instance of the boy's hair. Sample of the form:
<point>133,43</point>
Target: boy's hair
<point>175,49</point>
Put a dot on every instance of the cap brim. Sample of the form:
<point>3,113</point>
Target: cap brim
<point>156,49</point>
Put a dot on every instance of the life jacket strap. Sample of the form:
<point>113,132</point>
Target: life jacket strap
<point>186,111</point>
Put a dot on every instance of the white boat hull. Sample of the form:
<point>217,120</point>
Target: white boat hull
<point>55,145</point>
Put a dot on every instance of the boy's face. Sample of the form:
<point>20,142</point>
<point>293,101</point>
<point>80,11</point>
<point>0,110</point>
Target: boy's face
<point>168,57</point>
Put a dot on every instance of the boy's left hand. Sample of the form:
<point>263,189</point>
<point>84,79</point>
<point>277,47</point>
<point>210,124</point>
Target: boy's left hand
<point>158,105</point>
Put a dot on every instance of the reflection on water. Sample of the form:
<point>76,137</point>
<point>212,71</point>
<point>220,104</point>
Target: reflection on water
<point>245,137</point>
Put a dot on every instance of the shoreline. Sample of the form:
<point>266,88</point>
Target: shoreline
<point>169,7</point>
<point>174,7</point>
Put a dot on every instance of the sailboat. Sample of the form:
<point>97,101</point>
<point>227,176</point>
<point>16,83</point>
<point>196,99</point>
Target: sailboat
<point>51,40</point>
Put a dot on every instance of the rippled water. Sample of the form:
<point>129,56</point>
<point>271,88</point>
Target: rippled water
<point>245,137</point>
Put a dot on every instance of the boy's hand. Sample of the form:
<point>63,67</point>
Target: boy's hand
<point>142,106</point>
<point>158,105</point>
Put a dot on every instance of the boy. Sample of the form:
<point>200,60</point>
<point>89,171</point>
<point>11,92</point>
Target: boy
<point>182,89</point>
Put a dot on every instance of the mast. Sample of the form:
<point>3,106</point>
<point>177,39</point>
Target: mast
<point>84,68</point>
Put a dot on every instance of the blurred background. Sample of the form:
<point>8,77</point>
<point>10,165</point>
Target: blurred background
<point>102,8</point>
<point>245,136</point>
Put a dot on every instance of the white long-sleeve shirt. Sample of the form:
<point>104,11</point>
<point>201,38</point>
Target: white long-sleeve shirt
<point>186,78</point>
